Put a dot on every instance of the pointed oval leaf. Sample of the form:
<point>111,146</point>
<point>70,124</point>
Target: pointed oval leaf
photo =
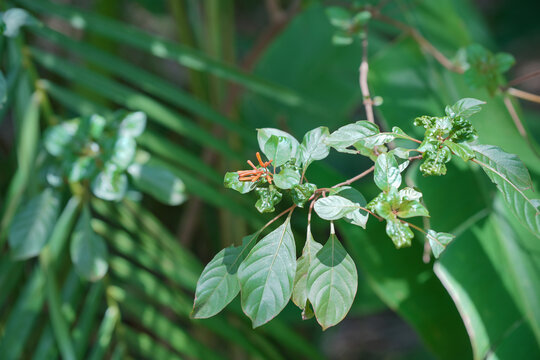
<point>133,124</point>
<point>465,108</point>
<point>349,134</point>
<point>266,275</point>
<point>263,135</point>
<point>158,182</point>
<point>88,250</point>
<point>313,146</point>
<point>287,178</point>
<point>387,174</point>
<point>300,293</point>
<point>332,283</point>
<point>33,224</point>
<point>218,284</point>
<point>334,207</point>
<point>439,241</point>
<point>279,149</point>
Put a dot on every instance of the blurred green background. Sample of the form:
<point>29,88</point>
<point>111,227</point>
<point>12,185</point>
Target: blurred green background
<point>207,74</point>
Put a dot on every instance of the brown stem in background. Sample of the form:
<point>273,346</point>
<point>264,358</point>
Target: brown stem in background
<point>519,125</point>
<point>523,78</point>
<point>353,179</point>
<point>421,40</point>
<point>364,68</point>
<point>523,95</point>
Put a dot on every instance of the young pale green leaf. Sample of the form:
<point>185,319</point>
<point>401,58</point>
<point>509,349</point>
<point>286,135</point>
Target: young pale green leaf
<point>300,291</point>
<point>408,193</point>
<point>133,124</point>
<point>332,283</point>
<point>263,135</point>
<point>438,241</point>
<point>97,125</point>
<point>342,38</point>
<point>350,134</point>
<point>358,217</point>
<point>88,250</point>
<point>268,199</point>
<point>218,284</point>
<point>32,225</point>
<point>464,108</point>
<point>339,16</point>
<point>411,208</point>
<point>387,174</point>
<point>334,207</point>
<point>14,19</point>
<point>110,184</point>
<point>313,146</point>
<point>400,233</point>
<point>308,313</point>
<point>158,182</point>
<point>123,152</point>
<point>267,274</point>
<point>463,150</point>
<point>57,138</point>
<point>82,168</point>
<point>287,178</point>
<point>278,149</point>
<point>302,192</point>
<point>231,181</point>
<point>511,178</point>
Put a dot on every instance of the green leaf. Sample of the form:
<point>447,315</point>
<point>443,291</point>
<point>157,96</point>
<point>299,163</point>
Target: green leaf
<point>339,16</point>
<point>218,284</point>
<point>342,38</point>
<point>332,283</point>
<point>123,151</point>
<point>504,62</point>
<point>133,124</point>
<point>302,192</point>
<point>400,233</point>
<point>512,178</point>
<point>32,225</point>
<point>300,291</point>
<point>465,108</point>
<point>58,138</point>
<point>268,199</point>
<point>408,193</point>
<point>97,125</point>
<point>266,275</point>
<point>88,250</point>
<point>278,149</point>
<point>463,150</point>
<point>334,207</point>
<point>387,174</point>
<point>231,182</point>
<point>287,178</point>
<point>158,182</point>
<point>313,146</point>
<point>110,184</point>
<point>14,19</point>
<point>82,168</point>
<point>350,134</point>
<point>438,241</point>
<point>357,217</point>
<point>411,208</point>
<point>285,144</point>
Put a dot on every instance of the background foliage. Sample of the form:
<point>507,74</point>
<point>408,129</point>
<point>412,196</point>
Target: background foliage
<point>206,75</point>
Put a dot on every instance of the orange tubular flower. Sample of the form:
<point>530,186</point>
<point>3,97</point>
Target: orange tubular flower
<point>257,172</point>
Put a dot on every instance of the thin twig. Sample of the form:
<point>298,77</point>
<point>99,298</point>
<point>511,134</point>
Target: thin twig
<point>519,125</point>
<point>523,78</point>
<point>422,41</point>
<point>363,79</point>
<point>357,177</point>
<point>523,95</point>
<point>291,209</point>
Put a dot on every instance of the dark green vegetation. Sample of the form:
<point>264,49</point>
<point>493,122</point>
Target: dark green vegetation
<point>115,139</point>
